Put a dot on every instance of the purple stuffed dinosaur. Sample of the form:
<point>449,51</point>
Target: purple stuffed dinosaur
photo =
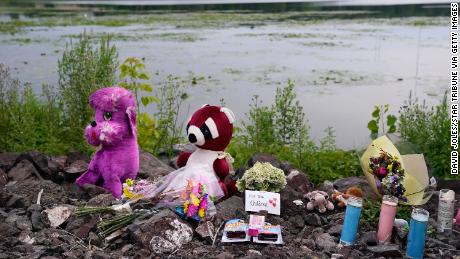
<point>114,128</point>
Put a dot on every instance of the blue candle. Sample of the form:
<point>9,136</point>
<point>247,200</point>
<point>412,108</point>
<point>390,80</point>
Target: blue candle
<point>351,221</point>
<point>417,233</point>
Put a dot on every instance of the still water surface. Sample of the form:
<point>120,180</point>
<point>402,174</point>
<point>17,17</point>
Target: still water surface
<point>341,67</point>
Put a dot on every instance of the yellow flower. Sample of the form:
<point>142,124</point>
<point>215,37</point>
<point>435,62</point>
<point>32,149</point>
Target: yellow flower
<point>129,182</point>
<point>131,196</point>
<point>390,167</point>
<point>194,200</point>
<point>186,203</point>
<point>201,213</point>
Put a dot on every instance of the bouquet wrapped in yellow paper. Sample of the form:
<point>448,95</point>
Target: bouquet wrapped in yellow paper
<point>390,173</point>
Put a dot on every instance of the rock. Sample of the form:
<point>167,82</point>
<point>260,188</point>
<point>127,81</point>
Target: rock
<point>126,248</point>
<point>94,239</point>
<point>57,163</point>
<point>297,221</point>
<point>16,201</point>
<point>7,160</point>
<point>57,215</point>
<point>22,170</point>
<point>29,189</point>
<point>310,243</point>
<point>25,238</point>
<point>288,195</point>
<point>39,160</point>
<point>251,253</point>
<point>100,255</point>
<point>200,250</point>
<point>230,208</point>
<point>335,230</point>
<point>105,199</point>
<point>7,230</point>
<point>299,182</point>
<point>23,223</point>
<point>260,157</point>
<point>206,231</point>
<point>77,155</point>
<point>286,167</point>
<point>343,184</point>
<point>82,226</point>
<point>34,211</point>
<point>151,167</point>
<point>163,233</point>
<point>77,167</point>
<point>94,190</point>
<point>385,250</point>
<point>312,219</point>
<point>225,255</point>
<point>3,178</point>
<point>325,242</point>
<point>327,186</point>
<point>34,208</point>
<point>369,238</point>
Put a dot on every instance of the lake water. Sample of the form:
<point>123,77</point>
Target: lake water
<point>342,65</point>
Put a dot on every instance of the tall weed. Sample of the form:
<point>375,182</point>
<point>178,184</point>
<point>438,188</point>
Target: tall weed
<point>428,129</point>
<point>84,68</point>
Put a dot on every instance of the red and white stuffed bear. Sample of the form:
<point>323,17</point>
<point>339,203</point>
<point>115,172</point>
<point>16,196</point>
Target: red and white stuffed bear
<point>210,129</point>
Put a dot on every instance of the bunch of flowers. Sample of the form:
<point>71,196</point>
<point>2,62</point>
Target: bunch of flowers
<point>134,190</point>
<point>262,177</point>
<point>389,174</point>
<point>197,203</point>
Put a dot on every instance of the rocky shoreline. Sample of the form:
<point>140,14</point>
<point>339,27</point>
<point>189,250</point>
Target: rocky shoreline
<point>37,191</point>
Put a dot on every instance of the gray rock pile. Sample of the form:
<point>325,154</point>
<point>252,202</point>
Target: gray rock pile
<point>38,199</point>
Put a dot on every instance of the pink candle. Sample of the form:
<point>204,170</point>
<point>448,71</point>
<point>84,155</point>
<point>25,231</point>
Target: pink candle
<point>387,217</point>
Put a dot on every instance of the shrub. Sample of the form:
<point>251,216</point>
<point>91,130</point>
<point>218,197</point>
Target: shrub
<point>280,129</point>
<point>83,69</point>
<point>428,130</point>
<point>28,122</point>
<point>171,93</point>
<point>262,177</point>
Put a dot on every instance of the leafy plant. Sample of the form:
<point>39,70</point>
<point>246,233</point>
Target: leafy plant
<point>377,124</point>
<point>134,77</point>
<point>83,69</point>
<point>28,122</point>
<point>288,139</point>
<point>428,129</point>
<point>288,114</point>
<point>260,132</point>
<point>171,93</point>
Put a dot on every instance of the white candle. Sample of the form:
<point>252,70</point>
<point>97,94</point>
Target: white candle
<point>445,210</point>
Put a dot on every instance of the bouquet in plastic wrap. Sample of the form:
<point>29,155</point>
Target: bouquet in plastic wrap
<point>402,176</point>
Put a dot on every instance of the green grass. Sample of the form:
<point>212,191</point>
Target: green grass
<point>211,19</point>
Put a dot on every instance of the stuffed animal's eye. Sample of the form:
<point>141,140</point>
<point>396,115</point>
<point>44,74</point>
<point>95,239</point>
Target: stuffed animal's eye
<point>107,116</point>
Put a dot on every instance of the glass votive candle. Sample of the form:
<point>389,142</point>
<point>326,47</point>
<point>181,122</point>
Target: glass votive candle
<point>387,218</point>
<point>417,233</point>
<point>445,211</point>
<point>351,221</point>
